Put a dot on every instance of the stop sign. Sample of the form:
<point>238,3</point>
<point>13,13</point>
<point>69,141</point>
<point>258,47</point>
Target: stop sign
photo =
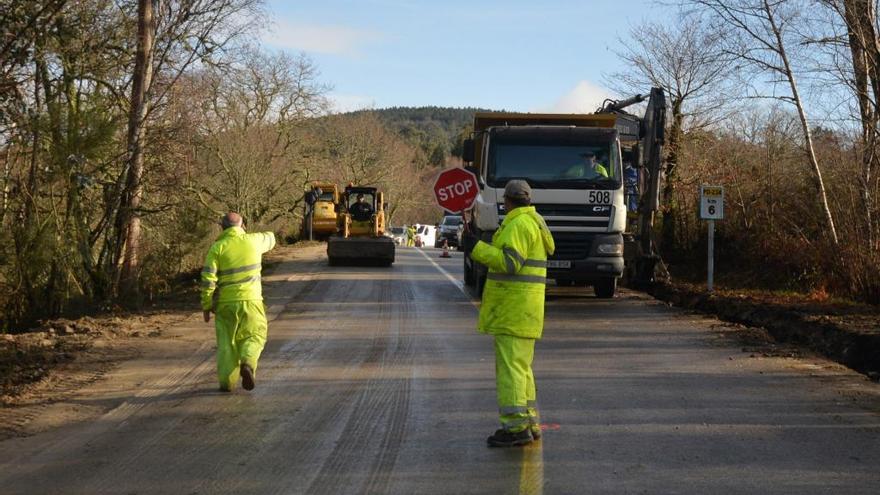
<point>455,189</point>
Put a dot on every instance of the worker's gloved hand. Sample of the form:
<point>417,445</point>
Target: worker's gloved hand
<point>207,315</point>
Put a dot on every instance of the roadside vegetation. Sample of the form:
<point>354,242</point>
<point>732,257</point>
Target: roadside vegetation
<point>777,100</point>
<point>128,127</point>
<point>126,131</point>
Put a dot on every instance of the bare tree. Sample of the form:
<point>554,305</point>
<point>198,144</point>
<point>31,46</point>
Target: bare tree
<point>128,222</point>
<point>686,60</point>
<point>761,35</point>
<point>21,21</point>
<point>250,147</point>
<point>185,32</point>
<point>853,39</point>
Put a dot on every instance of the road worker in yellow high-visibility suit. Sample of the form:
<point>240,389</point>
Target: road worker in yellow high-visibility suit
<point>231,289</point>
<point>513,310</point>
<point>588,169</point>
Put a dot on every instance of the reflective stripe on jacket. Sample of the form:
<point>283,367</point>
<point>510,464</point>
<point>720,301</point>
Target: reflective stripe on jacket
<point>233,266</point>
<point>513,298</point>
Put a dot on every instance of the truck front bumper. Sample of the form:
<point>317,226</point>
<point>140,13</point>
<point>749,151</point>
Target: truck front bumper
<point>588,269</point>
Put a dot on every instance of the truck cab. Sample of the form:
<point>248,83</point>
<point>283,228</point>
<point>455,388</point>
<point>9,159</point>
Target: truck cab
<point>574,166</point>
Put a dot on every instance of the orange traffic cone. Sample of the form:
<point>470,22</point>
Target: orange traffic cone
<point>445,253</point>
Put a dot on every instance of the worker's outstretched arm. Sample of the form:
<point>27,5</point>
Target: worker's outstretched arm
<point>265,241</point>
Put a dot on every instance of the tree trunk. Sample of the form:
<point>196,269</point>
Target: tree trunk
<point>7,178</point>
<point>860,19</point>
<point>128,224</point>
<point>673,143</point>
<point>808,136</point>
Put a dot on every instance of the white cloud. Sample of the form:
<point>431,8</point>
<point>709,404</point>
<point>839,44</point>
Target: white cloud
<point>341,103</point>
<point>585,97</point>
<point>310,38</point>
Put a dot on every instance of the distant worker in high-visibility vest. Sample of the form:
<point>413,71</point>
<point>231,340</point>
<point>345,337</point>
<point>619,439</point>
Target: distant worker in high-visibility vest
<point>231,289</point>
<point>410,236</point>
<point>513,310</point>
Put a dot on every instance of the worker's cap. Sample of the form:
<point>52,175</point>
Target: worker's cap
<point>518,189</point>
<point>360,195</point>
<point>588,153</point>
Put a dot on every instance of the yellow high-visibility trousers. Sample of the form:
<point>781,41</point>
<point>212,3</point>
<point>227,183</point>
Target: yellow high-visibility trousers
<point>515,382</point>
<point>241,335</point>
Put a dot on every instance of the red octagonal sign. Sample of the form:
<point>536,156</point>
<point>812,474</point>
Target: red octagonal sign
<point>456,189</point>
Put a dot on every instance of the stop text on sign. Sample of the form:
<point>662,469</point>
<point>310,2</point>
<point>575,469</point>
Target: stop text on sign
<point>452,190</point>
<point>455,189</point>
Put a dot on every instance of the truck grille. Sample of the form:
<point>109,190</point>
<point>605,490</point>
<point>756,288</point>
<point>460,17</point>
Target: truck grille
<point>593,217</point>
<point>572,245</point>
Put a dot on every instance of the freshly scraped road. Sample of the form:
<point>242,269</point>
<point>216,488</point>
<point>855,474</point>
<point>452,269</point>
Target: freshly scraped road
<point>375,381</point>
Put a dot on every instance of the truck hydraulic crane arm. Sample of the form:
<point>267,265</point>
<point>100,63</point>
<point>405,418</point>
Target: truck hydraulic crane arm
<point>651,134</point>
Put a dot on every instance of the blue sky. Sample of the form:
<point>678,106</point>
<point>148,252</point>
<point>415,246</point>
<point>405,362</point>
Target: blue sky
<point>516,55</point>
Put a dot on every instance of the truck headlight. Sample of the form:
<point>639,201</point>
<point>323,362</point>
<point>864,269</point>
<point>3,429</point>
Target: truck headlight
<point>614,249</point>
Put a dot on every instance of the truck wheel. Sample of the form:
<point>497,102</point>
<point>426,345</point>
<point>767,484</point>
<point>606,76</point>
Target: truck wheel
<point>605,288</point>
<point>564,282</point>
<point>469,279</point>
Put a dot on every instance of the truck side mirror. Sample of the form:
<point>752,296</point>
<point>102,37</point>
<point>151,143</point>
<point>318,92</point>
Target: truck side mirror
<point>467,150</point>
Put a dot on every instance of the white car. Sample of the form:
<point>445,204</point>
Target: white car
<point>398,234</point>
<point>426,235</point>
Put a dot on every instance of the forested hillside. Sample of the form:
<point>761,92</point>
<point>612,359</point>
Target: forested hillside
<point>438,131</point>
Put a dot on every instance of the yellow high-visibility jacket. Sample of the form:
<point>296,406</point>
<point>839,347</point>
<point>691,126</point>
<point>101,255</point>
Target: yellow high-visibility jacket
<point>233,266</point>
<point>513,298</point>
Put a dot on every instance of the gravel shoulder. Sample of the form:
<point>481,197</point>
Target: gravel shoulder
<point>845,332</point>
<point>68,371</point>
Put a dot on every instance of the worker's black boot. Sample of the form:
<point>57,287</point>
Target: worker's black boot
<point>247,377</point>
<point>504,438</point>
<point>535,428</point>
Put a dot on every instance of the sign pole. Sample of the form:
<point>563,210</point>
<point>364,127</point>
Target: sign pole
<point>711,255</point>
<point>711,209</point>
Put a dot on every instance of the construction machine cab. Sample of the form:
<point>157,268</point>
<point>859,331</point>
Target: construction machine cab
<point>361,203</point>
<point>364,212</point>
<point>320,218</point>
<point>361,234</point>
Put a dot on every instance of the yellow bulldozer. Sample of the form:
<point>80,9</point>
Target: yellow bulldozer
<point>320,220</point>
<point>360,237</point>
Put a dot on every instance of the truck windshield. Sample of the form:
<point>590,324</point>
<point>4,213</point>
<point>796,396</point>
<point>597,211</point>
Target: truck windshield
<point>548,165</point>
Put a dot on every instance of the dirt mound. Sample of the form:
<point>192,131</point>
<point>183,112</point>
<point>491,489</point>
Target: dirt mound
<point>27,359</point>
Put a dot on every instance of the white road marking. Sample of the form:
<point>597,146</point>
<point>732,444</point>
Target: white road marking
<point>455,281</point>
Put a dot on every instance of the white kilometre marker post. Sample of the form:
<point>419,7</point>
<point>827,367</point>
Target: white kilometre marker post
<point>711,209</point>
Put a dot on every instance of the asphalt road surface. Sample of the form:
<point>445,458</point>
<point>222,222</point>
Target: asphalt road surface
<point>374,380</point>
